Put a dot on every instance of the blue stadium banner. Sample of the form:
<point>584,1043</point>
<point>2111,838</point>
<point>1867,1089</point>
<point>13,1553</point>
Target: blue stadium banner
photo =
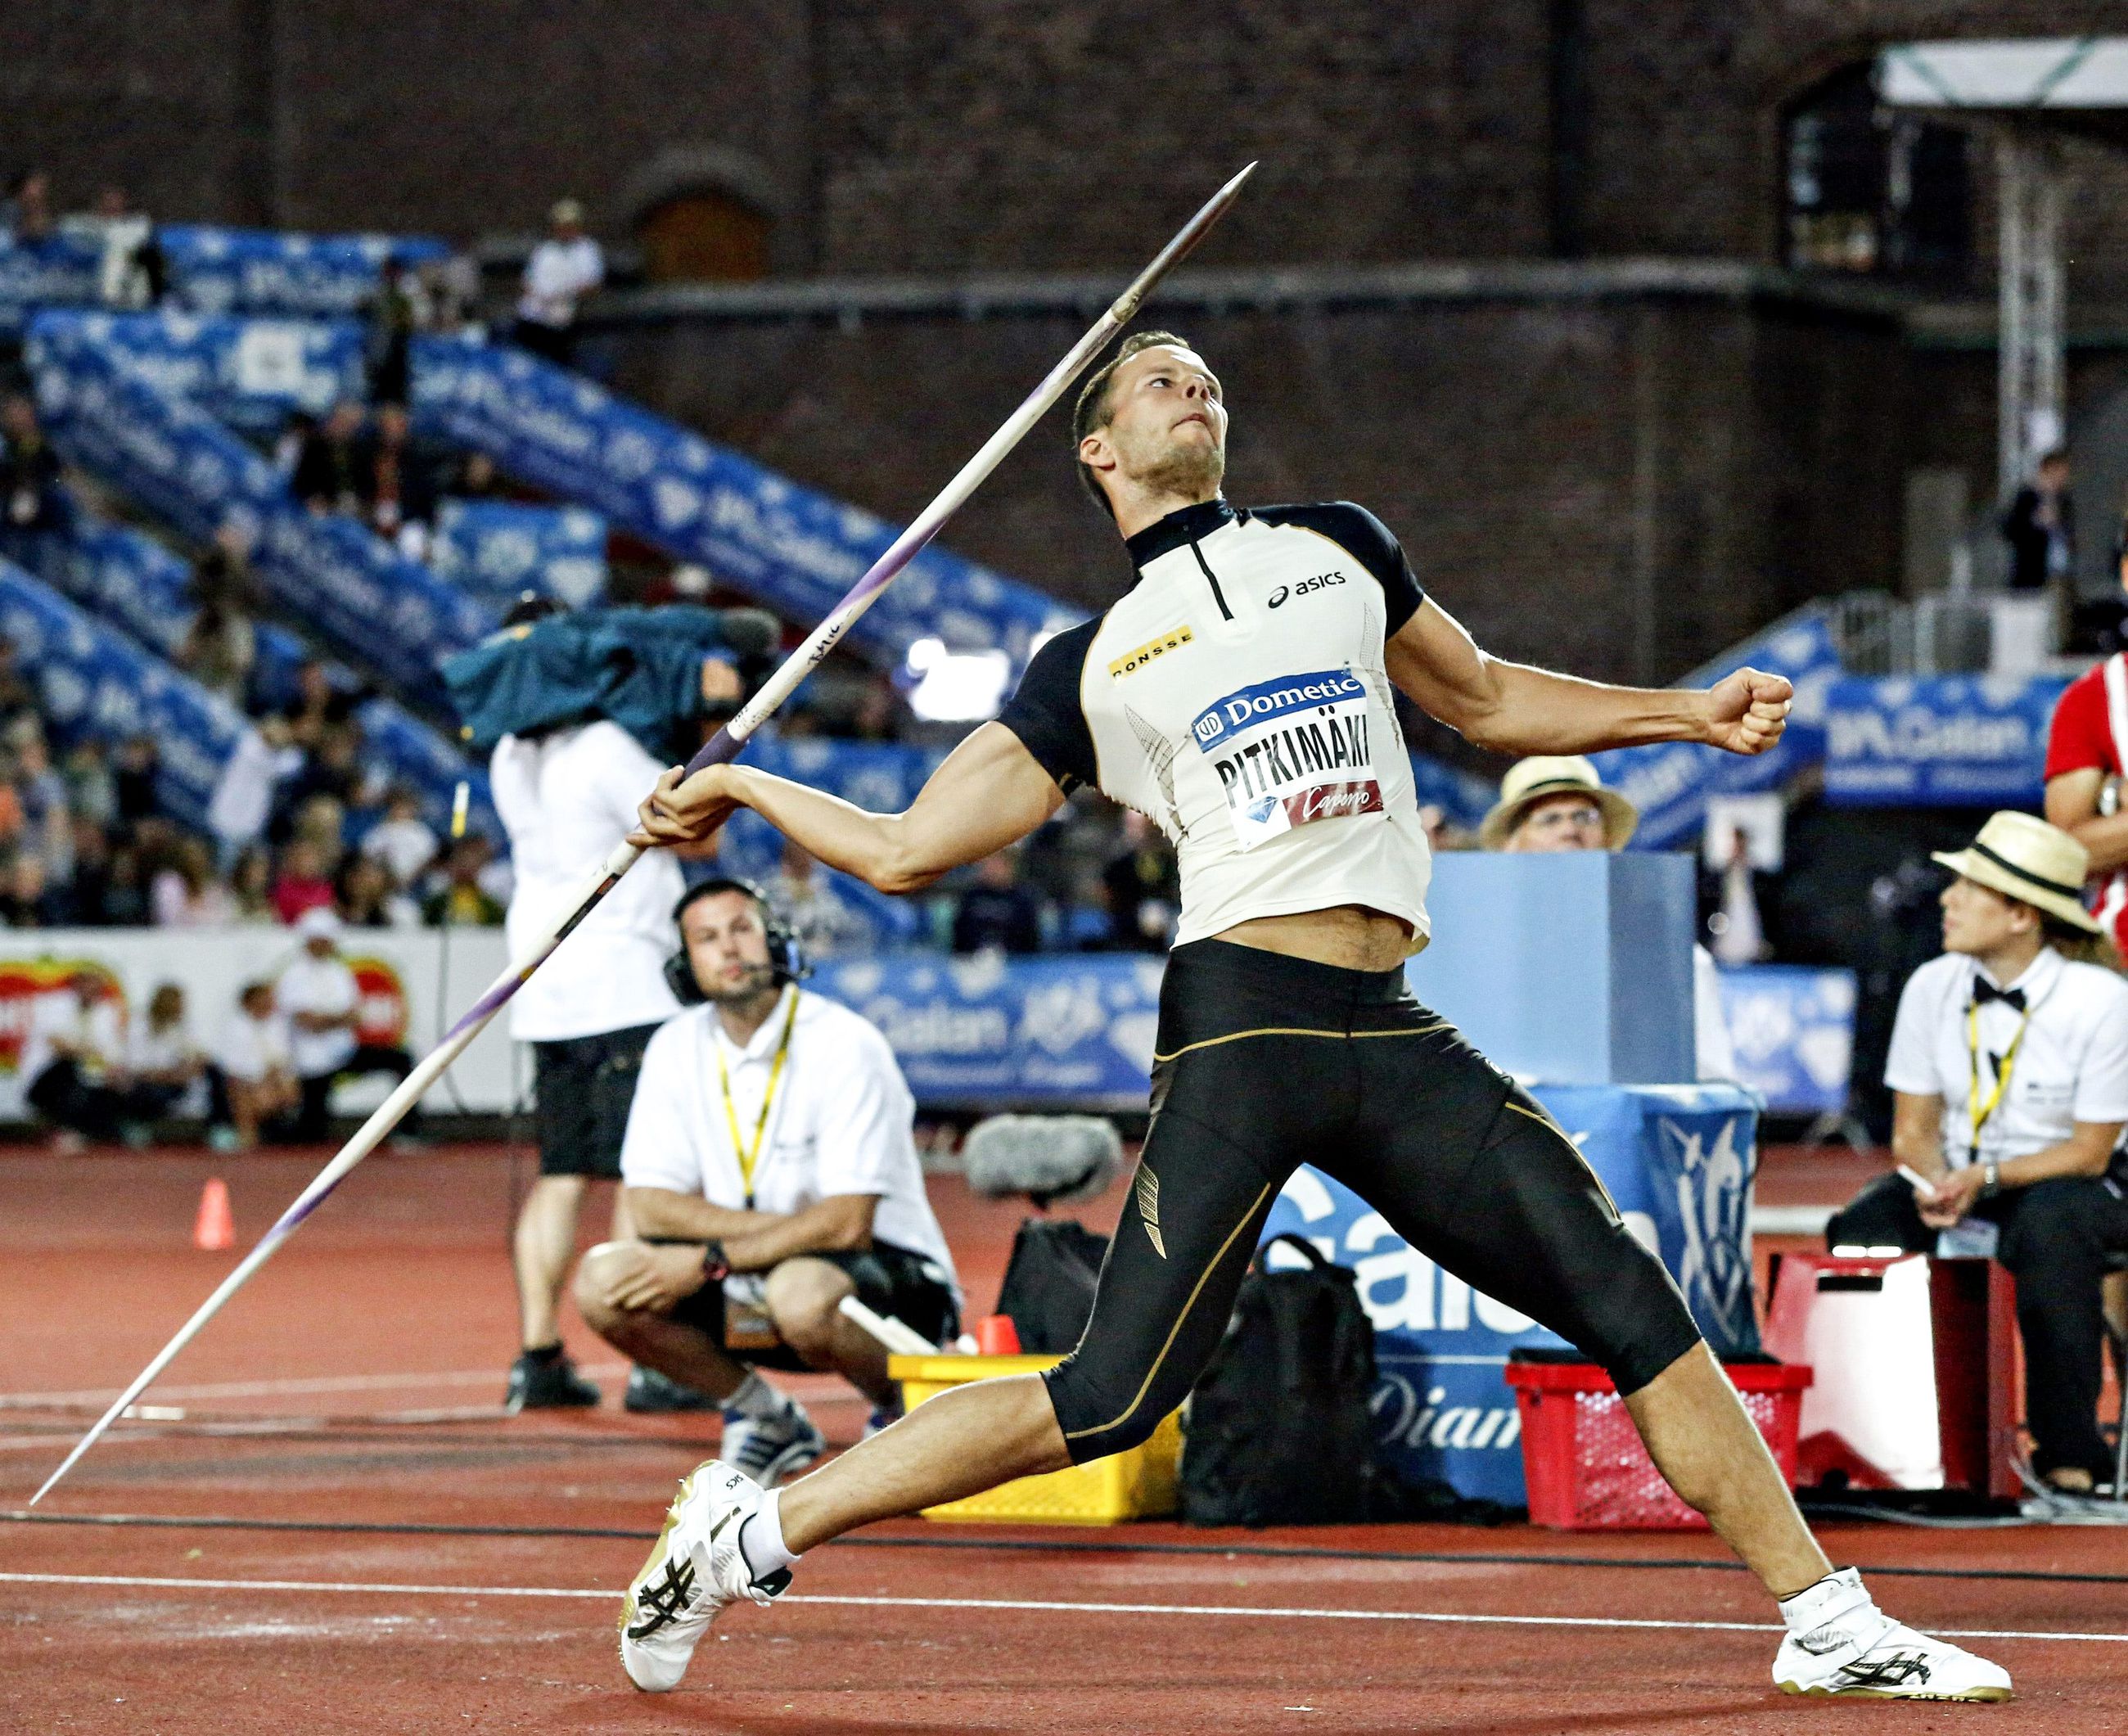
<point>795,550</point>
<point>498,548</point>
<point>1670,784</point>
<point>1678,1160</point>
<point>392,616</point>
<point>95,680</point>
<point>248,372</point>
<point>216,270</point>
<point>59,271</point>
<point>1942,741</point>
<point>1793,1029</point>
<point>986,1032</point>
<point>125,577</point>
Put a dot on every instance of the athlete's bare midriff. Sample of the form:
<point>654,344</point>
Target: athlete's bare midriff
<point>1353,937</point>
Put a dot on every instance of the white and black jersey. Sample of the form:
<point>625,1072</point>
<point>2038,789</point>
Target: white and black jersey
<point>1236,696</point>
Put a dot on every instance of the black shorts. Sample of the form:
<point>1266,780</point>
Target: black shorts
<point>1264,1062</point>
<point>889,1280</point>
<point>584,1086</point>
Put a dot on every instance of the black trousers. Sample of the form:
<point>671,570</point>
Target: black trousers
<point>2056,1237</point>
<point>314,1119</point>
<point>584,1086</point>
<point>65,1098</point>
<point>1265,1062</point>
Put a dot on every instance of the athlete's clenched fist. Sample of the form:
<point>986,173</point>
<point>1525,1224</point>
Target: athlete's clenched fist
<point>1747,711</point>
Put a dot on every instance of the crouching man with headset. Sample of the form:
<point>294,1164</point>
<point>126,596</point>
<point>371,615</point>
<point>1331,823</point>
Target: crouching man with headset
<point>770,1172</point>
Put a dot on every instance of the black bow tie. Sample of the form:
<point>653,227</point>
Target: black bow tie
<point>1984,992</point>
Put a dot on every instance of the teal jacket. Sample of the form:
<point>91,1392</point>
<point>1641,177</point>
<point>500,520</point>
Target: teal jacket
<point>640,668</point>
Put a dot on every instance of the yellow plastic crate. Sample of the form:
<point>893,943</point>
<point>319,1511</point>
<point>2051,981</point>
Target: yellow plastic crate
<point>1138,1484</point>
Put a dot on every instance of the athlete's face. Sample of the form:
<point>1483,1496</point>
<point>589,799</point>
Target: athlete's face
<point>1166,430</point>
<point>1977,920</point>
<point>727,947</point>
<point>1564,822</point>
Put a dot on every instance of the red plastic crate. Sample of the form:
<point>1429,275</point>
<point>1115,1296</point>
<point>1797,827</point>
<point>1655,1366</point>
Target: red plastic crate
<point>1583,1460</point>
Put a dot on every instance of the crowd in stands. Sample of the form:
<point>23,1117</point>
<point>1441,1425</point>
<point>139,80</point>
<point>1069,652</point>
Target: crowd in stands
<point>327,832</point>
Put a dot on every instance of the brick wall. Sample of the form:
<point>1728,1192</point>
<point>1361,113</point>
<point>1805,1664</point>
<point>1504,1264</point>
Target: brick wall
<point>1621,486</point>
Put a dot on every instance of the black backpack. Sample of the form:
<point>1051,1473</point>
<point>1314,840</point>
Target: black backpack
<point>1278,1431</point>
<point>1049,1284</point>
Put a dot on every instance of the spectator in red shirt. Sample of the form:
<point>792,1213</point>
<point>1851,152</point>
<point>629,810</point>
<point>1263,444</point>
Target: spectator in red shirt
<point>301,885</point>
<point>2087,751</point>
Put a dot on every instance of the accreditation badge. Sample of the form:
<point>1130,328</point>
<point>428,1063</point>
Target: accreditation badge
<point>1291,751</point>
<point>748,1326</point>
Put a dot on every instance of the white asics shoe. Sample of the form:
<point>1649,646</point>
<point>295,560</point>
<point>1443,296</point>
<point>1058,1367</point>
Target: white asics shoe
<point>1851,1648</point>
<point>769,1448</point>
<point>695,1570</point>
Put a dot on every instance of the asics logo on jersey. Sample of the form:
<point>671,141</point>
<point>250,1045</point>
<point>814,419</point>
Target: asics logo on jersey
<point>1321,582</point>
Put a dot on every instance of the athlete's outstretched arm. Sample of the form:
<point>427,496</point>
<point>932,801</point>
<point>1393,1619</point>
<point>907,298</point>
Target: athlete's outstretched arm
<point>989,791</point>
<point>1512,708</point>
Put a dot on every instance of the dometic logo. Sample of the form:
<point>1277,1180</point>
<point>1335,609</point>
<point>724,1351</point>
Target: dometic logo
<point>1131,662</point>
<point>1271,699</point>
<point>1321,582</point>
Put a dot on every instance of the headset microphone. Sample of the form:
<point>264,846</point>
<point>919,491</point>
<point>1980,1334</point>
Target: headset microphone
<point>787,957</point>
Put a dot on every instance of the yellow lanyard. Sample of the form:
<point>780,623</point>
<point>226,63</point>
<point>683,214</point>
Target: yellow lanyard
<point>750,1156</point>
<point>1978,1110</point>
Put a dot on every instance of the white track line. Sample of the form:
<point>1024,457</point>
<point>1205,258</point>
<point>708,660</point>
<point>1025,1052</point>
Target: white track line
<point>1040,1606</point>
<point>273,1389</point>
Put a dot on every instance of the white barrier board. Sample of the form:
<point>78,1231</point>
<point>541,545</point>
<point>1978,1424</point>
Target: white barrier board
<point>414,982</point>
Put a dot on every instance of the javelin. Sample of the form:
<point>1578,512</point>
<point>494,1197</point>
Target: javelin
<point>723,747</point>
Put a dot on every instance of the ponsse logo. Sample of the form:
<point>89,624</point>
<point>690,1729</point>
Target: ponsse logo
<point>1321,582</point>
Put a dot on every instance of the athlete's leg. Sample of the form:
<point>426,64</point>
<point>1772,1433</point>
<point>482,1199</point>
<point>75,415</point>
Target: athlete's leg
<point>1471,1171</point>
<point>1166,1293</point>
<point>1708,1449</point>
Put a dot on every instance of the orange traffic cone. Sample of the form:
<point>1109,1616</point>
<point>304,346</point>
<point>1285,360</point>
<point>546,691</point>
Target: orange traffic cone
<point>214,1228</point>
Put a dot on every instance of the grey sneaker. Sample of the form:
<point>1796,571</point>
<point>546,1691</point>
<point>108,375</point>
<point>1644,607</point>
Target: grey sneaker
<point>770,1448</point>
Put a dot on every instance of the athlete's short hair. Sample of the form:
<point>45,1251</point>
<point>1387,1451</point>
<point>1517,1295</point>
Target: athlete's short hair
<point>1091,411</point>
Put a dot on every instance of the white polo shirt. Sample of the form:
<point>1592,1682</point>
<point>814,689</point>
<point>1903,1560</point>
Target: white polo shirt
<point>567,799</point>
<point>251,1048</point>
<point>839,1122</point>
<point>324,986</point>
<point>2071,1063</point>
<point>557,276</point>
<point>96,1031</point>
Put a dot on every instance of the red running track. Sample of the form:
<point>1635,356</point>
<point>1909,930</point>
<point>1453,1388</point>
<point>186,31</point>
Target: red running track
<point>347,1400</point>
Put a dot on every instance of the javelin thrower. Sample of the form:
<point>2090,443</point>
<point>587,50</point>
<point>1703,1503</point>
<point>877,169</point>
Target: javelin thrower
<point>1240,695</point>
<point>724,746</point>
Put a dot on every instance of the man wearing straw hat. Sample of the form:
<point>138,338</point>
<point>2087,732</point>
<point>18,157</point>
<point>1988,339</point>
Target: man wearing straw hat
<point>2009,1067</point>
<point>1553,803</point>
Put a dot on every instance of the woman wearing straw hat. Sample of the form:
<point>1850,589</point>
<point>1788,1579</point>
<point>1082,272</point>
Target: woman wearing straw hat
<point>2009,1064</point>
<point>1554,803</point>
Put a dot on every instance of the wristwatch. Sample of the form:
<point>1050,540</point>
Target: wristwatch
<point>1991,1180</point>
<point>716,1268</point>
